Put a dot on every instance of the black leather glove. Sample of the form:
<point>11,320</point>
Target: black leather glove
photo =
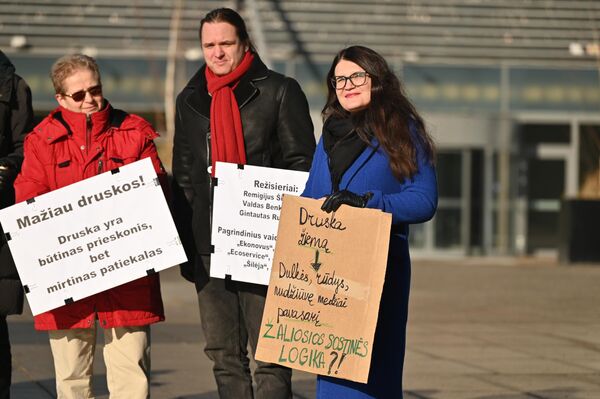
<point>8,174</point>
<point>335,200</point>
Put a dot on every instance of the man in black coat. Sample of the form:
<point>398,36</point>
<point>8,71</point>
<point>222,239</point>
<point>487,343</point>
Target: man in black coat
<point>235,110</point>
<point>16,120</point>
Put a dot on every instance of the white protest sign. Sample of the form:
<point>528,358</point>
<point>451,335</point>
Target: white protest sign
<point>91,236</point>
<point>246,207</point>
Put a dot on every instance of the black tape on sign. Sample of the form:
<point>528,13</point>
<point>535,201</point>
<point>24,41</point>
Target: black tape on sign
<point>69,301</point>
<point>115,171</point>
<point>150,272</point>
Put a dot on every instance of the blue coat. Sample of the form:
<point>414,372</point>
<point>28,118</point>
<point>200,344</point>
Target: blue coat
<point>411,201</point>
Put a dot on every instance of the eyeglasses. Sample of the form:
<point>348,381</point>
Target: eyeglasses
<point>79,96</point>
<point>357,79</point>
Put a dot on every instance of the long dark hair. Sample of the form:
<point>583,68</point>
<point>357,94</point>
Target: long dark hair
<point>232,18</point>
<point>388,115</point>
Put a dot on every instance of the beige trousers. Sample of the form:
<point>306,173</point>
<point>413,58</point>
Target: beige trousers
<point>126,356</point>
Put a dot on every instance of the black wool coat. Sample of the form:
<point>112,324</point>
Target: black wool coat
<point>278,132</point>
<point>16,120</point>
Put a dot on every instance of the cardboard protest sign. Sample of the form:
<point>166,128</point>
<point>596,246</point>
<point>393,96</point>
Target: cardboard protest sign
<point>246,205</point>
<point>91,236</point>
<point>325,288</point>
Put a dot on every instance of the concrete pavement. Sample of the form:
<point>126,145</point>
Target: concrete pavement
<point>479,328</point>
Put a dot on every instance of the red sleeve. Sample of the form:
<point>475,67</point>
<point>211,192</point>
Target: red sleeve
<point>33,179</point>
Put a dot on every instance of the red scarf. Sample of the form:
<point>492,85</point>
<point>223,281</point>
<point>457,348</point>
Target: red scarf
<point>227,140</point>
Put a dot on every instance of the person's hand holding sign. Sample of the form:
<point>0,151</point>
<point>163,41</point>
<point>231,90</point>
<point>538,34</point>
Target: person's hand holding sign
<point>337,199</point>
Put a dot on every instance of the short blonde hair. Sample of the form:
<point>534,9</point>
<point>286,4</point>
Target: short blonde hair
<point>67,64</point>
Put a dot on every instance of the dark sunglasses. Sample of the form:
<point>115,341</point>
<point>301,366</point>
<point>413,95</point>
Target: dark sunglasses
<point>79,96</point>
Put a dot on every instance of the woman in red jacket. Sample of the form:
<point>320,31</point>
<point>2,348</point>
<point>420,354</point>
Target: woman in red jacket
<point>81,138</point>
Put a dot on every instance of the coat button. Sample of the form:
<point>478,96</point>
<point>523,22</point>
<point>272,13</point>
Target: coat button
<point>82,148</point>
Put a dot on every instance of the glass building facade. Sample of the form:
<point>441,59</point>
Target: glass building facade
<point>512,141</point>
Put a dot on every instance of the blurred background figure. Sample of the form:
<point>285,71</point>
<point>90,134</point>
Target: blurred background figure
<point>16,118</point>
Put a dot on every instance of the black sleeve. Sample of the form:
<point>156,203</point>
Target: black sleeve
<point>21,120</point>
<point>182,155</point>
<point>183,194</point>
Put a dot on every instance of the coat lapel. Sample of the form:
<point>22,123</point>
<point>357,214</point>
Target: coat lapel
<point>246,90</point>
<point>199,101</point>
<point>198,98</point>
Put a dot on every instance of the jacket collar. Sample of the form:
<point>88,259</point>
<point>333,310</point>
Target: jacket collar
<point>67,122</point>
<point>200,100</point>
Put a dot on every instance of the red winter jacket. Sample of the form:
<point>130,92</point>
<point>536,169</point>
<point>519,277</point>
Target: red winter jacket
<point>67,147</point>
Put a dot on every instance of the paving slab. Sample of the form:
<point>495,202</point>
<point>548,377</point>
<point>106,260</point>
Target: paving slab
<point>479,328</point>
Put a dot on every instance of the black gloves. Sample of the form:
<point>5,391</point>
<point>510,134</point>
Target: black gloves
<point>8,174</point>
<point>333,202</point>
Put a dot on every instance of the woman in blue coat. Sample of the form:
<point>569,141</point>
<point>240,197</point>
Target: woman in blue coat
<point>375,153</point>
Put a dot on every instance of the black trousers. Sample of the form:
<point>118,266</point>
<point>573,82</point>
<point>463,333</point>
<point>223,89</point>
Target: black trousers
<point>5,360</point>
<point>231,314</point>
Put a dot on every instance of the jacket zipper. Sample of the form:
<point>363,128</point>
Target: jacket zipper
<point>88,140</point>
<point>210,177</point>
<point>88,132</point>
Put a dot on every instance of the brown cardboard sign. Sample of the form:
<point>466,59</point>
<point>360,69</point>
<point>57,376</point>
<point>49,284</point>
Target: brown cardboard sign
<point>325,288</point>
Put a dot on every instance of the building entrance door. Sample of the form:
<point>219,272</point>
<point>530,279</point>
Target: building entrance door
<point>545,156</point>
<point>546,186</point>
<point>457,223</point>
